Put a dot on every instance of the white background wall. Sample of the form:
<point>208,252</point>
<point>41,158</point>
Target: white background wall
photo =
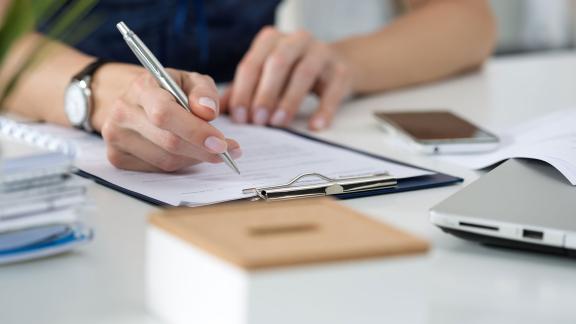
<point>524,25</point>
<point>333,19</point>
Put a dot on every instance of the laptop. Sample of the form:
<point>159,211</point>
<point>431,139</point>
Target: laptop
<point>524,204</point>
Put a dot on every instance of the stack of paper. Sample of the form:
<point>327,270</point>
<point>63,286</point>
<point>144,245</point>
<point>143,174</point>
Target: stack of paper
<point>551,138</point>
<point>40,203</point>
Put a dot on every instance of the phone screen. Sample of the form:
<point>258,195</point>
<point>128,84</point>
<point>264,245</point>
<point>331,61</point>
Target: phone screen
<point>435,126</point>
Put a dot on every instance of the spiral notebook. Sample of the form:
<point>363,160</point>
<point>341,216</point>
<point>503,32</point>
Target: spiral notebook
<point>41,202</point>
<point>271,157</point>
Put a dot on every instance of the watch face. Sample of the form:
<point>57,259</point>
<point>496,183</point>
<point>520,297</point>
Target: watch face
<point>76,104</point>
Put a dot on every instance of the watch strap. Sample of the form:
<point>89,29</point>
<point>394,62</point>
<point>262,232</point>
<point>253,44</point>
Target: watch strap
<point>90,69</point>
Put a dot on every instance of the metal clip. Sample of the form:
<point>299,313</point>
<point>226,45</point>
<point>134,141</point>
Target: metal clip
<point>330,186</point>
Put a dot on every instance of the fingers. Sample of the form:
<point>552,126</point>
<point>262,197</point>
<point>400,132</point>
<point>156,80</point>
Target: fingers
<point>275,73</point>
<point>145,148</point>
<point>164,113</point>
<point>248,72</point>
<point>147,130</point>
<point>303,78</point>
<point>123,160</point>
<point>336,89</point>
<point>164,139</point>
<point>234,148</point>
<point>202,94</point>
<point>124,144</point>
<point>225,100</point>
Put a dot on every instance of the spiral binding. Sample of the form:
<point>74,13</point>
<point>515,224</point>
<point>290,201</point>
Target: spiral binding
<point>24,133</point>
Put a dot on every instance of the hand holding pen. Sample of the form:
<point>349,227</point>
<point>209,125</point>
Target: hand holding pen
<point>147,129</point>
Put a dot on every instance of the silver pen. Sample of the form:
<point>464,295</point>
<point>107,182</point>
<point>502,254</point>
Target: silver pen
<point>150,62</point>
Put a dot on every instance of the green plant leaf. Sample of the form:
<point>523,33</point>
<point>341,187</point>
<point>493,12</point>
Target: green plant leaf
<point>46,9</point>
<point>68,20</point>
<point>19,20</point>
<point>69,25</point>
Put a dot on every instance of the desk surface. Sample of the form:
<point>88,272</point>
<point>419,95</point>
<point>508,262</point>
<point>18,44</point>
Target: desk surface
<point>458,281</point>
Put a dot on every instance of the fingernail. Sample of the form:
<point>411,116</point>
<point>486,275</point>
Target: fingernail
<point>261,116</point>
<point>208,103</point>
<point>319,123</point>
<point>215,144</point>
<point>240,115</point>
<point>278,118</point>
<point>236,153</point>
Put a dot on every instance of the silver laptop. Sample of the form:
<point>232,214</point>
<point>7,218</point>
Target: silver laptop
<point>521,203</point>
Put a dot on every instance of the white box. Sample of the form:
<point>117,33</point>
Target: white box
<point>187,284</point>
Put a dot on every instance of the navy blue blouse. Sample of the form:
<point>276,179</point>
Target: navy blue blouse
<point>207,36</point>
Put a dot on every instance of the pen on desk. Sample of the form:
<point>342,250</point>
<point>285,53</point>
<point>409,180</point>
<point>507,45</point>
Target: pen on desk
<point>152,64</point>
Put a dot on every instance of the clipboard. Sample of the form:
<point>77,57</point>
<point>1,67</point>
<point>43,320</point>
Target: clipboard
<point>292,190</point>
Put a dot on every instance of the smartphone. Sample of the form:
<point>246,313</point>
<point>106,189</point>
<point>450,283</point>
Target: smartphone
<point>437,132</point>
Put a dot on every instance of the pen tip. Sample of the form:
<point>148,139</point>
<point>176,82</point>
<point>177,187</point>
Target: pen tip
<point>230,162</point>
<point>235,168</point>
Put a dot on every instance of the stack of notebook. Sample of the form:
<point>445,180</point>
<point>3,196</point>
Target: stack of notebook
<point>41,203</point>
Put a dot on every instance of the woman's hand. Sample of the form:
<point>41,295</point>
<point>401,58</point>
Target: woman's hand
<point>277,73</point>
<point>147,130</point>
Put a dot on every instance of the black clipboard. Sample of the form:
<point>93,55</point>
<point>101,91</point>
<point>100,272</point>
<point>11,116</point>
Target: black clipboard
<point>406,184</point>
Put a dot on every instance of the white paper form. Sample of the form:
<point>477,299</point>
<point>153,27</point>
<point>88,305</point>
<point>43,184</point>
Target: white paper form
<point>270,157</point>
<point>551,139</point>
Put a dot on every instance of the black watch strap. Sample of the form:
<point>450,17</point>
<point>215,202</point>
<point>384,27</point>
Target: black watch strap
<point>90,69</point>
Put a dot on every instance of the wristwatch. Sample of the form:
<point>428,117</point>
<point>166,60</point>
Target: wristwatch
<point>78,101</point>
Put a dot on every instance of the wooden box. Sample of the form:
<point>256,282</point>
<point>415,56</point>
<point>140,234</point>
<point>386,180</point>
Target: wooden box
<point>306,261</point>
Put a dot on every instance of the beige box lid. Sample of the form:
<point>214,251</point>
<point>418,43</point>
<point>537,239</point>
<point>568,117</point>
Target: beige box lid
<point>257,235</point>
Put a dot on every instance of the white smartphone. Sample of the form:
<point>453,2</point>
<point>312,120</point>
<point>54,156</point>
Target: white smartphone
<point>439,132</point>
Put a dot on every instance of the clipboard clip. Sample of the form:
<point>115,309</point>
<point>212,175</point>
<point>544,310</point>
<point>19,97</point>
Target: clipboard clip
<point>330,186</point>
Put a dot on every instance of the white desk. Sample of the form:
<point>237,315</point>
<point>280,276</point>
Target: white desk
<point>457,282</point>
